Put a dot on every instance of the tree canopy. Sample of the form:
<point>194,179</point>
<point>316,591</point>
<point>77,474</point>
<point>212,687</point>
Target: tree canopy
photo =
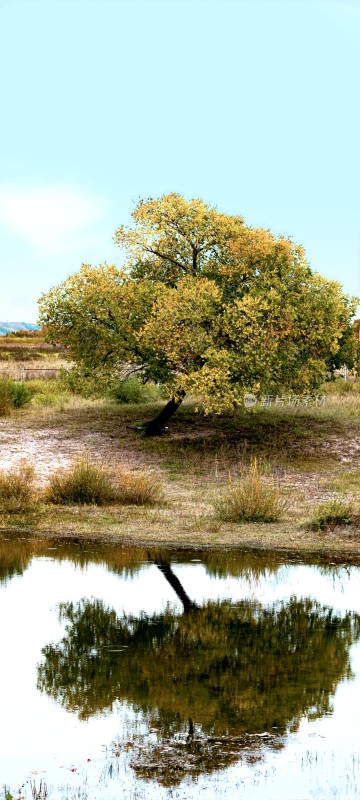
<point>205,304</point>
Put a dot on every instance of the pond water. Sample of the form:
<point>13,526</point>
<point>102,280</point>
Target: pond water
<point>139,674</point>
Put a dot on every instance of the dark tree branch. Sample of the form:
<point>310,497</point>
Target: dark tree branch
<point>175,584</point>
<point>165,257</point>
<point>194,259</point>
<point>106,356</point>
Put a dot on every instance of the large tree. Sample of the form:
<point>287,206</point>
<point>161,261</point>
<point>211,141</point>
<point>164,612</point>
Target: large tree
<point>204,304</point>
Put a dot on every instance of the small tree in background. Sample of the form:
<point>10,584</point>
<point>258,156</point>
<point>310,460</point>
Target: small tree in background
<point>348,353</point>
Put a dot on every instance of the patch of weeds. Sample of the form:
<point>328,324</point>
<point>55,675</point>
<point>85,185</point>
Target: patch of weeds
<point>346,481</point>
<point>83,481</point>
<point>204,522</point>
<point>13,394</point>
<point>330,514</point>
<point>48,393</point>
<point>17,493</point>
<point>19,393</point>
<point>87,386</point>
<point>134,391</point>
<point>87,482</point>
<point>254,497</point>
<point>340,386</point>
<point>138,488</point>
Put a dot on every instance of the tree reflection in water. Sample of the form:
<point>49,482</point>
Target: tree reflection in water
<point>214,681</point>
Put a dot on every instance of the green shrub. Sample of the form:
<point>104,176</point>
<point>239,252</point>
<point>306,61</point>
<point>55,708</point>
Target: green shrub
<point>95,386</point>
<point>71,380</point>
<point>47,393</point>
<point>19,393</point>
<point>83,481</point>
<point>17,493</point>
<point>133,390</point>
<point>330,514</point>
<point>254,497</point>
<point>13,394</point>
<point>138,488</point>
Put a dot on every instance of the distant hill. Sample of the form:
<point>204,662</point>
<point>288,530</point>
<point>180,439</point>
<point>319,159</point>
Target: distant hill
<point>10,327</point>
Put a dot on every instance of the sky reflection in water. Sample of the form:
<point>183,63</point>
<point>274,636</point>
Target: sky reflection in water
<point>245,692</point>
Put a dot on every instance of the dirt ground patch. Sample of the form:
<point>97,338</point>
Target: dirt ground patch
<point>311,456</point>
<point>48,444</point>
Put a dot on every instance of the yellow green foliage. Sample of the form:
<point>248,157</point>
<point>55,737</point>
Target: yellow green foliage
<point>203,304</point>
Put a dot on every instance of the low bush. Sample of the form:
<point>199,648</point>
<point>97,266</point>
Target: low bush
<point>88,386</point>
<point>19,393</point>
<point>47,393</point>
<point>340,386</point>
<point>138,488</point>
<point>17,492</point>
<point>83,481</point>
<point>13,394</point>
<point>330,514</point>
<point>88,482</point>
<point>134,390</point>
<point>253,497</point>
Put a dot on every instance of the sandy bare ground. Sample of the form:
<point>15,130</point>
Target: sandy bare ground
<point>50,439</point>
<point>193,460</point>
<point>51,446</point>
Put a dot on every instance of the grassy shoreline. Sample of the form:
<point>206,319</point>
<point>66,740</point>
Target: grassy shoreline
<point>312,452</point>
<point>336,553</point>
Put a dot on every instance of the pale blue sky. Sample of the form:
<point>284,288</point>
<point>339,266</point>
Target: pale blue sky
<point>251,105</point>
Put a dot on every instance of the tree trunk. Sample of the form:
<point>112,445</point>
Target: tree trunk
<point>175,584</point>
<point>156,426</point>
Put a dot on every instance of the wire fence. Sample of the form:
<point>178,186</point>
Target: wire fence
<point>30,373</point>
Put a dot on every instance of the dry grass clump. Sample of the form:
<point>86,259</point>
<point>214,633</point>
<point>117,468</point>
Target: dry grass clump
<point>254,497</point>
<point>6,404</point>
<point>17,492</point>
<point>88,482</point>
<point>330,514</point>
<point>138,488</point>
<point>83,481</point>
